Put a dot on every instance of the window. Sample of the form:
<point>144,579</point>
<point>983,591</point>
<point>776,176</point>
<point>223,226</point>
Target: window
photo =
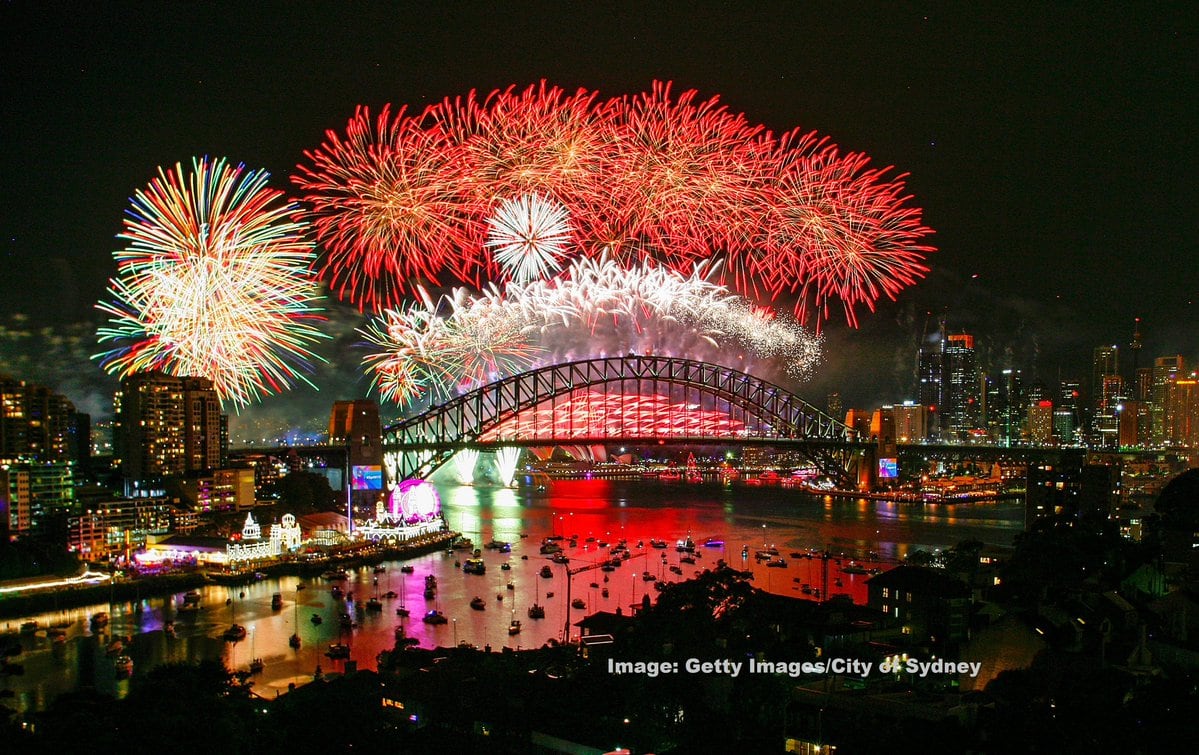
<point>886,592</point>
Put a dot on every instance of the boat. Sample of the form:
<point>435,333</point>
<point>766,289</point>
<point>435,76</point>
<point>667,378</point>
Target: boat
<point>464,545</point>
<point>391,595</point>
<point>478,604</point>
<point>99,620</point>
<point>780,563</point>
<point>688,559</point>
<point>345,621</point>
<point>338,651</point>
<point>294,641</point>
<point>744,552</point>
<point>474,566</point>
<point>430,593</point>
<point>657,543</point>
<point>560,558</point>
<point>713,542</point>
<point>499,596</point>
<point>276,601</point>
<point>514,627</point>
<point>549,594</point>
<point>124,666</point>
<point>374,605</point>
<point>380,569</point>
<point>407,569</point>
<point>546,572</point>
<point>511,586</point>
<point>647,577</point>
<point>550,547</point>
<point>402,612</point>
<point>536,611</point>
<point>431,582</point>
<point>676,569</point>
<point>506,566</point>
<point>191,601</point>
<point>335,575</point>
<point>604,592</point>
<point>316,620</point>
<point>300,586</point>
<point>578,603</point>
<point>235,633</point>
<point>854,569</point>
<point>257,665</point>
<point>337,593</point>
<point>434,617</point>
<point>495,545</point>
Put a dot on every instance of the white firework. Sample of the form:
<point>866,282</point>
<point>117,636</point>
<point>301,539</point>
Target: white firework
<point>528,236</point>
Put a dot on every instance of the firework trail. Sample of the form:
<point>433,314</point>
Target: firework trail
<point>529,235</point>
<point>215,282</point>
<point>466,340</point>
<point>409,198</point>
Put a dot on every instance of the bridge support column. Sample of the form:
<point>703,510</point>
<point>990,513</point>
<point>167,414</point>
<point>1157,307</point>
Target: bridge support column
<point>867,471</point>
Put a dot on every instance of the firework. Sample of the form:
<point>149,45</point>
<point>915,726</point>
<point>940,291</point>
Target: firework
<point>653,176</point>
<point>215,282</point>
<point>529,235</point>
<point>466,340</point>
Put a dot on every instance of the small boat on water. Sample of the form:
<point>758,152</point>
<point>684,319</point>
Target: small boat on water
<point>578,603</point>
<point>560,558</point>
<point>853,568</point>
<point>335,575</point>
<point>713,542</point>
<point>780,563</point>
<point>506,566</point>
<point>235,633</point>
<point>391,595</point>
<point>478,604</point>
<point>257,665</point>
<point>407,569</point>
<point>124,666</point>
<point>277,601</point>
<point>687,545</point>
<point>434,617</point>
<point>647,577</point>
<point>430,593</point>
<point>294,641</point>
<point>99,620</point>
<point>316,619</point>
<point>687,559</point>
<point>546,572</point>
<point>474,566</point>
<point>514,627</point>
<point>380,569</point>
<point>338,651</point>
<point>604,592</point>
<point>374,605</point>
<point>536,611</point>
<point>657,543</point>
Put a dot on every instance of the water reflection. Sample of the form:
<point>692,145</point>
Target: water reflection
<point>604,510</point>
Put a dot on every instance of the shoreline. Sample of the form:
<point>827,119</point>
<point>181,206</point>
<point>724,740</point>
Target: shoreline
<point>136,589</point>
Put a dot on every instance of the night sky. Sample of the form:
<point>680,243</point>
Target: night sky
<point>1052,149</point>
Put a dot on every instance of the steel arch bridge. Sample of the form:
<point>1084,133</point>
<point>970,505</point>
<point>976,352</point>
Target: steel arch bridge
<point>630,399</point>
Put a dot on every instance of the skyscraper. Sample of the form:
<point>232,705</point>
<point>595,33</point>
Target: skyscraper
<point>34,422</point>
<point>1107,388</point>
<point>1165,371</point>
<point>960,402</point>
<point>168,426</point>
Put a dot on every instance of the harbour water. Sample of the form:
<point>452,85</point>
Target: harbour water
<point>874,534</point>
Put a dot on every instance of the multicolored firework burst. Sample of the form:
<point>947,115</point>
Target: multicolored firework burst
<point>528,235</point>
<point>465,340</point>
<point>673,179</point>
<point>215,282</point>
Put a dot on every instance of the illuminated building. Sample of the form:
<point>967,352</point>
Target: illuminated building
<point>911,422</point>
<point>930,390</point>
<point>109,527</point>
<point>168,426</point>
<point>219,490</point>
<point>34,422</point>
<point>1182,412</point>
<point>1041,423</point>
<point>36,495</point>
<point>355,425</point>
<point>960,402</point>
<point>1165,371</point>
<point>928,603</point>
<point>1106,390</point>
<point>1005,403</point>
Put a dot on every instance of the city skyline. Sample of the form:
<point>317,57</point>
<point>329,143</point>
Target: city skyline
<point>1048,303</point>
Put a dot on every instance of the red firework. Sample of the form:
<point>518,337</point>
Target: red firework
<point>676,179</point>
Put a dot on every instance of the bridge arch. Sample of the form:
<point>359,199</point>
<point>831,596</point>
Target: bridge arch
<point>757,412</point>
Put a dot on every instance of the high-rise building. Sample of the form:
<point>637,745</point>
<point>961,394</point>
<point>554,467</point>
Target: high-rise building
<point>1005,405</point>
<point>960,402</point>
<point>34,422</point>
<point>1182,412</point>
<point>1105,365</point>
<point>1068,416</point>
<point>932,384</point>
<point>37,495</point>
<point>356,426</point>
<point>1165,371</point>
<point>911,422</point>
<point>1040,423</point>
<point>168,426</point>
